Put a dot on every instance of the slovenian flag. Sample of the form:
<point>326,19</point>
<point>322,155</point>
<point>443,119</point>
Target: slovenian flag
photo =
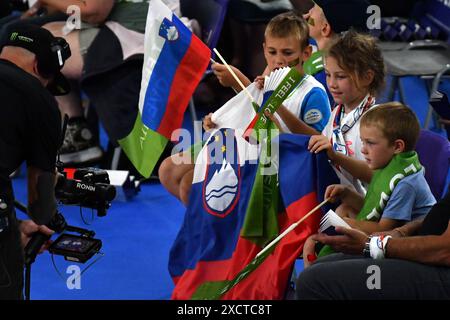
<point>174,62</point>
<point>213,254</point>
<point>234,211</point>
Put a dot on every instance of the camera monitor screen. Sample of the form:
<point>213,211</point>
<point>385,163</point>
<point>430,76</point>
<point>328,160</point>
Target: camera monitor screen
<point>74,243</point>
<point>75,248</point>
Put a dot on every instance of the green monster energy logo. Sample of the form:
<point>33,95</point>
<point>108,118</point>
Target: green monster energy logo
<point>15,35</point>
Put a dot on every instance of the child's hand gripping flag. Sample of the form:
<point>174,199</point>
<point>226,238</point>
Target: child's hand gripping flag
<point>278,85</point>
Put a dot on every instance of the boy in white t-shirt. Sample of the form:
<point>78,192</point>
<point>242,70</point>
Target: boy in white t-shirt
<point>286,44</point>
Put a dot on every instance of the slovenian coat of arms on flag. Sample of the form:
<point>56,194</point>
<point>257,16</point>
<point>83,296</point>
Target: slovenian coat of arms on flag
<point>174,63</point>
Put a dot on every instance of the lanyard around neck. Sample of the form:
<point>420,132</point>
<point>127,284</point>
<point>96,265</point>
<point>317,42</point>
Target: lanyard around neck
<point>340,114</point>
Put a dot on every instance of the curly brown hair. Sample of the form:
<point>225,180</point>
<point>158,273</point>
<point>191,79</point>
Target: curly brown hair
<point>356,53</point>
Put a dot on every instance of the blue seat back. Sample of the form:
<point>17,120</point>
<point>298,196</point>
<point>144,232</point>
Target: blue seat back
<point>434,154</point>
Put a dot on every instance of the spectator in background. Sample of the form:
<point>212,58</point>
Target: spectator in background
<point>79,145</point>
<point>247,22</point>
<point>327,19</point>
<point>37,14</point>
<point>107,63</point>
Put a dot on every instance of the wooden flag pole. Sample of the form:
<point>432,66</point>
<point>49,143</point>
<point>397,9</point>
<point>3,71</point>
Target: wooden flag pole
<point>291,227</point>
<point>225,286</point>
<point>234,75</point>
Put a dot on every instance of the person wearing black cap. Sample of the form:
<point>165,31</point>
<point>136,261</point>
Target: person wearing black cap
<point>326,20</point>
<point>30,130</point>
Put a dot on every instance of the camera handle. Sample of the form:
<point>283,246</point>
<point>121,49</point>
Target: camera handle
<point>33,247</point>
<point>58,224</point>
<point>36,242</point>
<point>30,253</point>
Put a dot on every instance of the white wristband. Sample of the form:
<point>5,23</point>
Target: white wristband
<point>385,240</point>
<point>378,246</point>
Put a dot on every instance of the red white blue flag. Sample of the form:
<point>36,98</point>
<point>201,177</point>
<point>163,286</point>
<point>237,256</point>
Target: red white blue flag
<point>174,63</point>
<point>212,248</point>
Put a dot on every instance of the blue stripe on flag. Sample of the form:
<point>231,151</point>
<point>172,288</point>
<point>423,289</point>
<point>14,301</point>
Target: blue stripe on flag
<point>158,89</point>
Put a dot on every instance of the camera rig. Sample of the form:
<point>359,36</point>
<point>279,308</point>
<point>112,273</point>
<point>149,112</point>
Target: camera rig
<point>90,188</point>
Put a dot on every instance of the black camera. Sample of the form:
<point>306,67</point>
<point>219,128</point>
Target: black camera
<point>90,188</point>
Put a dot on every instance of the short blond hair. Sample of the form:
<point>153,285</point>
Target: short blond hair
<point>289,24</point>
<point>396,121</point>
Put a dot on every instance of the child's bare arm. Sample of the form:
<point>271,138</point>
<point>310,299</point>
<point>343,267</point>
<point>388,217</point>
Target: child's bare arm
<point>357,168</point>
<point>370,227</point>
<point>294,124</point>
<point>409,229</point>
<point>346,194</point>
<point>226,79</point>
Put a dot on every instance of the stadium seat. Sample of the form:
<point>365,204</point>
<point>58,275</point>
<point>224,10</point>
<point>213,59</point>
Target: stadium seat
<point>441,105</point>
<point>428,59</point>
<point>434,154</point>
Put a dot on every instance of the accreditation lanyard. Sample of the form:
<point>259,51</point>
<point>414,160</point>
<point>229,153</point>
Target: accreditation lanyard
<point>342,124</point>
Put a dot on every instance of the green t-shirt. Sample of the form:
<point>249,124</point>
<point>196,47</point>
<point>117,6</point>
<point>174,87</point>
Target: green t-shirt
<point>132,15</point>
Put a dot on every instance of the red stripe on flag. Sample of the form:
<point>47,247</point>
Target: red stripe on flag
<point>205,271</point>
<point>250,127</point>
<point>186,284</point>
<point>186,79</point>
<point>269,280</point>
<point>277,267</point>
